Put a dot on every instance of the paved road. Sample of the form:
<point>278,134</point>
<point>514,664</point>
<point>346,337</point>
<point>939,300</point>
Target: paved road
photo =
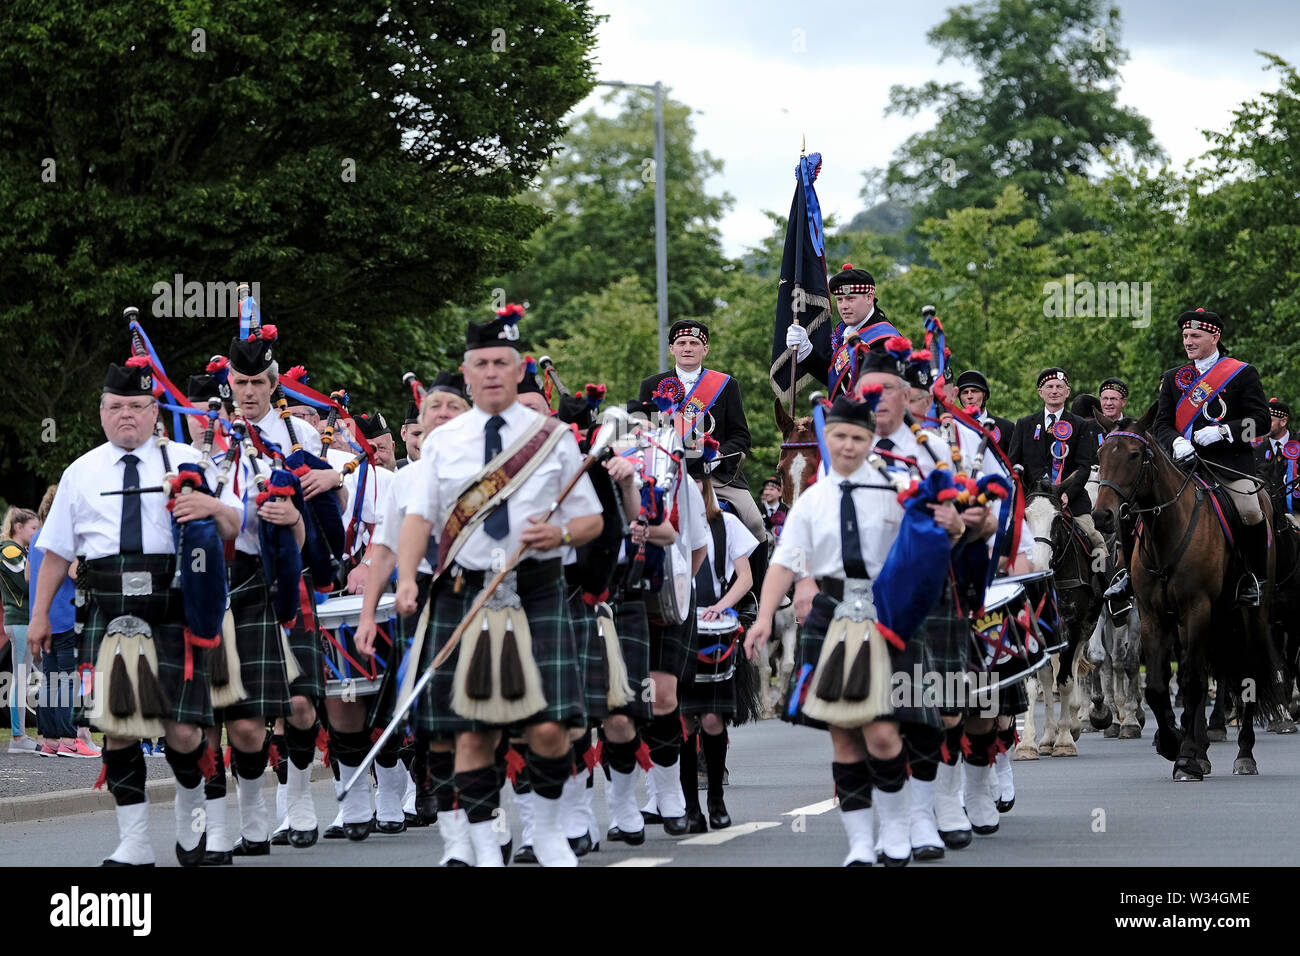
<point>1114,804</point>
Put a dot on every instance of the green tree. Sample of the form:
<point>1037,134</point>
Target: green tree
<point>361,161</point>
<point>599,193</point>
<point>1045,108</point>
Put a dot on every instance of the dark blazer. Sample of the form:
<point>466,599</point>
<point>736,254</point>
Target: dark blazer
<point>730,430</point>
<point>1272,468</point>
<point>769,520</point>
<point>1005,427</point>
<point>1036,456</point>
<point>1244,401</point>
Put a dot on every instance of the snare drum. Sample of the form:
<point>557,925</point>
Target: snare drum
<point>1006,643</point>
<point>719,645</point>
<point>1040,589</point>
<point>347,672</point>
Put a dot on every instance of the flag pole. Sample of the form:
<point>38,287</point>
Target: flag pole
<point>797,290</point>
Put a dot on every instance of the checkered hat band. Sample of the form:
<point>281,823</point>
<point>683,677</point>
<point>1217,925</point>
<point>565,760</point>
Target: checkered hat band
<point>1201,326</point>
<point>858,289</point>
<point>694,332</point>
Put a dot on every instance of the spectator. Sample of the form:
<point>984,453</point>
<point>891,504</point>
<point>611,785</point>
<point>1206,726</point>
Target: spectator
<point>15,536</point>
<point>56,733</point>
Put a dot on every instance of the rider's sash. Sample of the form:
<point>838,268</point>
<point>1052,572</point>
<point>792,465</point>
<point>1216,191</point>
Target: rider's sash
<point>498,480</point>
<point>1203,391</point>
<point>844,365</point>
<point>694,406</point>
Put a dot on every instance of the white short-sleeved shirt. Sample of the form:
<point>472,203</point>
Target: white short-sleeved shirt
<point>392,510</point>
<point>378,482</point>
<point>739,543</point>
<point>810,540</point>
<point>454,452</point>
<point>273,429</point>
<point>906,444</point>
<point>82,521</point>
<point>693,522</point>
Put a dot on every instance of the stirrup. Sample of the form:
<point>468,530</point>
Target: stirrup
<point>1120,586</point>
<point>1248,591</point>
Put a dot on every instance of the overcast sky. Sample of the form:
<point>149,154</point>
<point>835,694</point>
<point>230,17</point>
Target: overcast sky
<point>754,93</point>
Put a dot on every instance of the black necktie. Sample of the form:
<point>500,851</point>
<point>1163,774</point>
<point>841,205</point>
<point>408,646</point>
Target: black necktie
<point>498,522</point>
<point>1051,421</point>
<point>850,543</point>
<point>1277,449</point>
<point>132,530</point>
<point>885,445</point>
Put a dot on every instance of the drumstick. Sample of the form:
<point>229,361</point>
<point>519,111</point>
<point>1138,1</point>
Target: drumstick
<point>604,439</point>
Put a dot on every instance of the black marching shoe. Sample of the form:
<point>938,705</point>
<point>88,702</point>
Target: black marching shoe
<point>359,831</point>
<point>956,839</point>
<point>249,848</point>
<point>525,854</point>
<point>615,835</point>
<point>649,817</point>
<point>301,839</point>
<point>676,826</point>
<point>415,820</point>
<point>1004,806</point>
<point>426,808</point>
<point>217,858</point>
<point>694,821</point>
<point>505,851</point>
<point>195,856</point>
<point>580,845</point>
<point>116,863</point>
<point>334,833</point>
<point>390,826</point>
<point>719,818</point>
<point>281,837</point>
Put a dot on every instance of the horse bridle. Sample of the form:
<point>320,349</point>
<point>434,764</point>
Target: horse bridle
<point>1127,507</point>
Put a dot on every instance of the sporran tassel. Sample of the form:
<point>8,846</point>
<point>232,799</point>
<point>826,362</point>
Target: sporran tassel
<point>121,697</point>
<point>512,668</point>
<point>830,683</point>
<point>153,699</point>
<point>478,683</point>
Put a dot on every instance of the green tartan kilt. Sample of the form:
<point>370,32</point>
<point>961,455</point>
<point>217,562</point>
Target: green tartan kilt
<point>191,700</point>
<point>904,663</point>
<point>947,639</point>
<point>261,655</point>
<point>305,642</point>
<point>554,650</point>
<point>383,703</point>
<point>672,645</point>
<point>634,642</point>
<point>591,652</point>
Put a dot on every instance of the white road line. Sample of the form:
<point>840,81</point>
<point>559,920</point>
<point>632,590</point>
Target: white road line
<point>813,809</point>
<point>722,836</point>
<point>643,861</point>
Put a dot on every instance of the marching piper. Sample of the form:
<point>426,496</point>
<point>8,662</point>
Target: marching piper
<point>155,677</point>
<point>490,474</point>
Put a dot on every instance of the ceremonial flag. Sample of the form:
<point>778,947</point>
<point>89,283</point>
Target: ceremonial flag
<point>802,292</point>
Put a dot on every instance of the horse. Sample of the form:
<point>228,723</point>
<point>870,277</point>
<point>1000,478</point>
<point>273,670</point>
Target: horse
<point>1286,587</point>
<point>1116,685</point>
<point>1058,545</point>
<point>1181,567</point>
<point>797,468</point>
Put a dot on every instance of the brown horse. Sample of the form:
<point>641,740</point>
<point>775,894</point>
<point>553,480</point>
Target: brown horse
<point>1180,564</point>
<point>800,457</point>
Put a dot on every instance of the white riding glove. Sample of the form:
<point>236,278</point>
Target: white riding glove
<point>1182,448</point>
<point>796,337</point>
<point>1207,435</point>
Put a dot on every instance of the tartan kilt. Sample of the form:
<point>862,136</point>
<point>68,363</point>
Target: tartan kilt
<point>591,654</point>
<point>946,635</point>
<point>191,700</point>
<point>261,656</point>
<point>305,641</point>
<point>634,642</point>
<point>553,645</point>
<point>383,704</point>
<point>811,637</point>
<point>672,645</point>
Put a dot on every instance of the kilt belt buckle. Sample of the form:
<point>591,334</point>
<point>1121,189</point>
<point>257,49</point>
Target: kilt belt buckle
<point>858,603</point>
<point>506,594</point>
<point>137,583</point>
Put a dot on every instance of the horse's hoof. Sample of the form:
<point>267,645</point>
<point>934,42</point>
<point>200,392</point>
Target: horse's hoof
<point>1204,765</point>
<point>1065,750</point>
<point>1142,717</point>
<point>1075,731</point>
<point>1088,728</point>
<point>1111,732</point>
<point>1026,753</point>
<point>1216,735</point>
<point>1245,766</point>
<point>1130,732</point>
<point>1044,749</point>
<point>1100,719</point>
<point>1283,725</point>
<point>1168,743</point>
<point>1187,775</point>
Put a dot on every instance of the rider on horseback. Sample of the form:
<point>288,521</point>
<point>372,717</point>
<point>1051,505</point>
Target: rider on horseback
<point>1275,458</point>
<point>1217,404</point>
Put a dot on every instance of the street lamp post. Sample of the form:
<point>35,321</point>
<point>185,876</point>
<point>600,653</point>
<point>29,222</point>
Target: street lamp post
<point>661,216</point>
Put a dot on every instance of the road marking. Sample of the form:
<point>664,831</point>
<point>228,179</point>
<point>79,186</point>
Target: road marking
<point>813,809</point>
<point>643,861</point>
<point>722,836</point>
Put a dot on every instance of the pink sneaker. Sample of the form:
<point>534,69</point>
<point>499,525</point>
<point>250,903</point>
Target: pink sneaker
<point>47,749</point>
<point>78,749</point>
